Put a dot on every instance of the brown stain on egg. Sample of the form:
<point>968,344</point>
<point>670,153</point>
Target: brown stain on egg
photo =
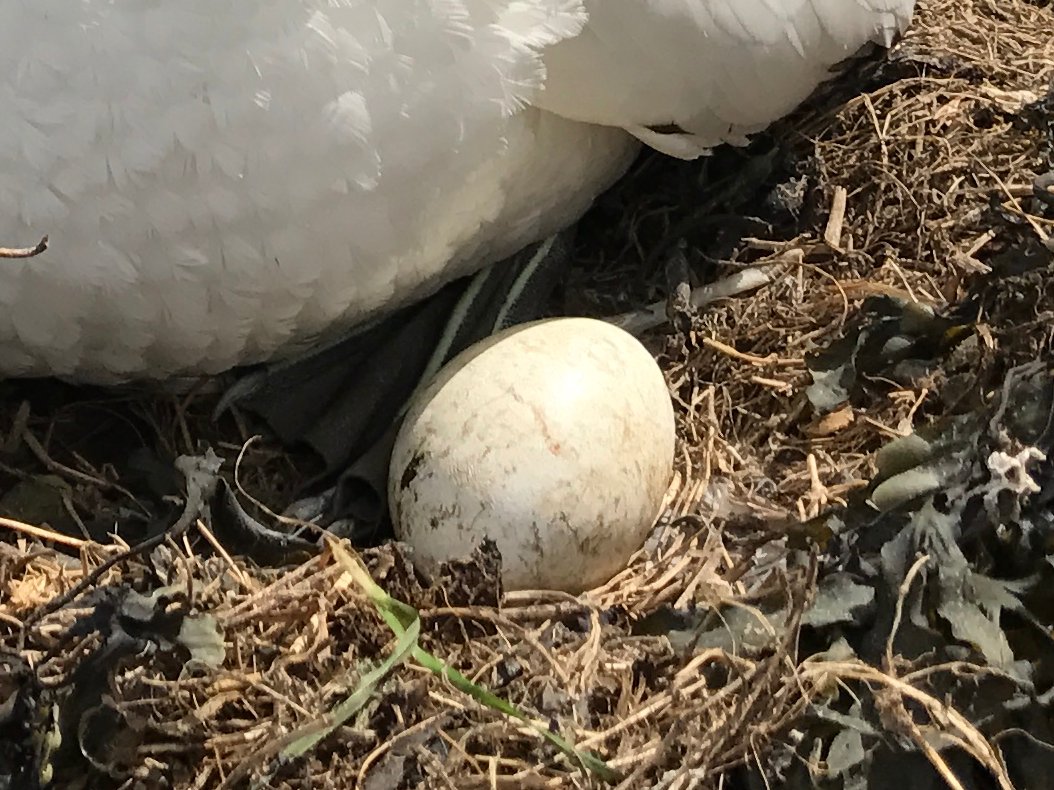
<point>539,418</point>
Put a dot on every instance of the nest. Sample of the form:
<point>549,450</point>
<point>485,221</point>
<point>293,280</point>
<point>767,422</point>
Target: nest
<point>722,653</point>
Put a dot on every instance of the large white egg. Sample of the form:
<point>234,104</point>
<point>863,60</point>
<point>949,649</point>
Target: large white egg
<point>555,439</point>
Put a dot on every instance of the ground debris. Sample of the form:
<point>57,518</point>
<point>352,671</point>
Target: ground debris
<point>849,586</point>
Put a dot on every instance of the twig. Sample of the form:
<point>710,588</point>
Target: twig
<point>1043,236</point>
<point>752,359</point>
<point>386,745</point>
<point>833,233</point>
<point>25,252</point>
<point>281,519</point>
<point>238,573</point>
<point>939,712</point>
<point>637,322</point>
<point>197,499</point>
<point>42,455</point>
<point>41,533</point>
<point>905,588</point>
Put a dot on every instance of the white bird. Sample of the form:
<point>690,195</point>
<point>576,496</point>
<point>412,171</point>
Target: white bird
<point>225,182</point>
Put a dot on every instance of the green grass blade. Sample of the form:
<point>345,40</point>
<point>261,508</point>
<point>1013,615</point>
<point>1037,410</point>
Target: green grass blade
<point>404,647</point>
<point>403,618</point>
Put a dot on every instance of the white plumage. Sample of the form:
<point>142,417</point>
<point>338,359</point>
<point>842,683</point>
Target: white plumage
<point>718,69</point>
<point>226,181</point>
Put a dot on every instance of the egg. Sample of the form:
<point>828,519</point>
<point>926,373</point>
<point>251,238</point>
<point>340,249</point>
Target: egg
<point>554,439</point>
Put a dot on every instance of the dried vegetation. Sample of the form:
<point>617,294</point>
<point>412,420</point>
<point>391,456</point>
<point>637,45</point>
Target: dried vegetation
<point>919,190</point>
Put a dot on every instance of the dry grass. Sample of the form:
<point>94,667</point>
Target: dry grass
<point>901,185</point>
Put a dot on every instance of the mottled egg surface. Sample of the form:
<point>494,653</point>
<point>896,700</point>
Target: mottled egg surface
<point>555,439</point>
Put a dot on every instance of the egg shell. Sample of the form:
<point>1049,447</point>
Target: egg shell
<point>555,439</point>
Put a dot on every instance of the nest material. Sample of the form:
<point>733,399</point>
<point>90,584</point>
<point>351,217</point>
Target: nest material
<point>917,190</point>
